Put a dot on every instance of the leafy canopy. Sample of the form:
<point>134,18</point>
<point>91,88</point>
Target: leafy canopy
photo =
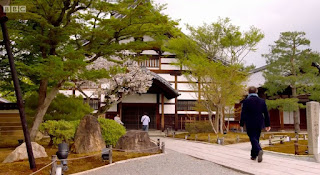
<point>56,40</point>
<point>290,65</point>
<point>62,108</point>
<point>223,41</point>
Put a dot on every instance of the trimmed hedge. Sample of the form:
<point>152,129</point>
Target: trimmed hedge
<point>198,127</point>
<point>65,130</point>
<point>111,131</point>
<point>60,130</point>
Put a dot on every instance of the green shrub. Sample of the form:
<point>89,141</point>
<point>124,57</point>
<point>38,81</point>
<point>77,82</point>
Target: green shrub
<point>198,127</point>
<point>59,130</point>
<point>111,131</point>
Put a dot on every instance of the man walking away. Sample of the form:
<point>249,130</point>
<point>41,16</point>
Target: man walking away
<point>255,116</point>
<point>145,120</point>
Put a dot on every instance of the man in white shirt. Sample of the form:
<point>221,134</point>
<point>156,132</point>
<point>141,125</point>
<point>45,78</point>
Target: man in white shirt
<point>117,119</point>
<point>145,120</point>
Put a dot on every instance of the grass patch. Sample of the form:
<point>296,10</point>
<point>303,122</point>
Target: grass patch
<point>9,141</point>
<point>22,167</point>
<point>288,147</point>
<point>229,138</point>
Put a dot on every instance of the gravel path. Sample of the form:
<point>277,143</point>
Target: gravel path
<point>172,163</point>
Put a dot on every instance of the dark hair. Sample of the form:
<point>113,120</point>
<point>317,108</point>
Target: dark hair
<point>145,113</point>
<point>252,89</point>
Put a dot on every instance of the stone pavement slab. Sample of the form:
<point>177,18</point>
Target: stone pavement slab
<point>238,158</point>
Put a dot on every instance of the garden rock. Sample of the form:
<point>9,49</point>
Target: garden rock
<point>88,136</point>
<point>20,153</point>
<point>137,141</point>
<point>39,136</point>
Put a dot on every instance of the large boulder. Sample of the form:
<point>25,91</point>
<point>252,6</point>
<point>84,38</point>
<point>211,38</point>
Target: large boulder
<point>20,153</point>
<point>137,141</point>
<point>88,136</point>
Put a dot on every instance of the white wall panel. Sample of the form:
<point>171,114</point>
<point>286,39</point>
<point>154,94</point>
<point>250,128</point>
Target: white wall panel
<point>188,96</point>
<point>169,67</point>
<point>169,60</point>
<point>186,87</point>
<point>113,108</point>
<point>168,101</point>
<point>184,78</point>
<point>168,109</point>
<point>167,77</point>
<point>144,98</point>
<point>188,112</point>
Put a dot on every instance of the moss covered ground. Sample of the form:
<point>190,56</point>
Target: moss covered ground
<point>22,167</point>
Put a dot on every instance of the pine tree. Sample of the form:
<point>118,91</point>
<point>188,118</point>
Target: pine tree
<point>290,65</point>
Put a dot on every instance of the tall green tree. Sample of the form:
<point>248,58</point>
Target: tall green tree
<point>221,86</point>
<point>222,41</point>
<point>290,66</point>
<point>214,55</point>
<point>55,40</point>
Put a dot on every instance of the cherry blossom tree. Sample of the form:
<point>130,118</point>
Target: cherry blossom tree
<point>132,80</point>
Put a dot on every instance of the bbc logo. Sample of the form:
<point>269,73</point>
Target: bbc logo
<point>15,9</point>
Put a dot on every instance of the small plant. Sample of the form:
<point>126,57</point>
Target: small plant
<point>198,127</point>
<point>111,131</point>
<point>59,130</point>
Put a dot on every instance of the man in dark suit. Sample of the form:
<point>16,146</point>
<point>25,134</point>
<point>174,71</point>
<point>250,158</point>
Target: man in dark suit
<point>255,116</point>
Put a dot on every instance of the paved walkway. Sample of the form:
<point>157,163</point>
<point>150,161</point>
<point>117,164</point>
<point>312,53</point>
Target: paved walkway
<point>189,157</point>
<point>238,158</point>
<point>171,163</point>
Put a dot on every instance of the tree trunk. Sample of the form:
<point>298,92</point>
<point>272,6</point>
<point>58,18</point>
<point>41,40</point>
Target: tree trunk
<point>295,113</point>
<point>221,123</point>
<point>211,122</point>
<point>216,120</point>
<point>42,92</point>
<point>41,111</point>
<point>102,110</point>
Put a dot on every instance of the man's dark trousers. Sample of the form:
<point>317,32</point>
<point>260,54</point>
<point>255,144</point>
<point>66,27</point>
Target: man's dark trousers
<point>254,135</point>
<point>255,115</point>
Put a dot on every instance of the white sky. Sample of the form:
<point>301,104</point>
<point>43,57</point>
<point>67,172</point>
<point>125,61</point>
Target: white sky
<point>271,16</point>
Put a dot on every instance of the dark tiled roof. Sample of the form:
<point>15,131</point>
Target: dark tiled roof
<point>8,106</point>
<point>164,86</point>
<point>259,69</point>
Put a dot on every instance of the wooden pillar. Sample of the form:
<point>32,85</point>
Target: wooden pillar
<point>176,121</point>
<point>159,62</point>
<point>158,119</point>
<point>120,110</point>
<point>162,112</point>
<point>199,96</point>
<point>281,119</point>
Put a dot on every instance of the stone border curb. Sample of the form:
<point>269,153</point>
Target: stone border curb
<point>119,162</point>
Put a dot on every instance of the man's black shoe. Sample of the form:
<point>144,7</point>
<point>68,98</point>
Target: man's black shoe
<point>260,156</point>
<point>253,158</point>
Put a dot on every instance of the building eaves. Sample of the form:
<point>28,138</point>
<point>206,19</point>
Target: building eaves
<point>259,69</point>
